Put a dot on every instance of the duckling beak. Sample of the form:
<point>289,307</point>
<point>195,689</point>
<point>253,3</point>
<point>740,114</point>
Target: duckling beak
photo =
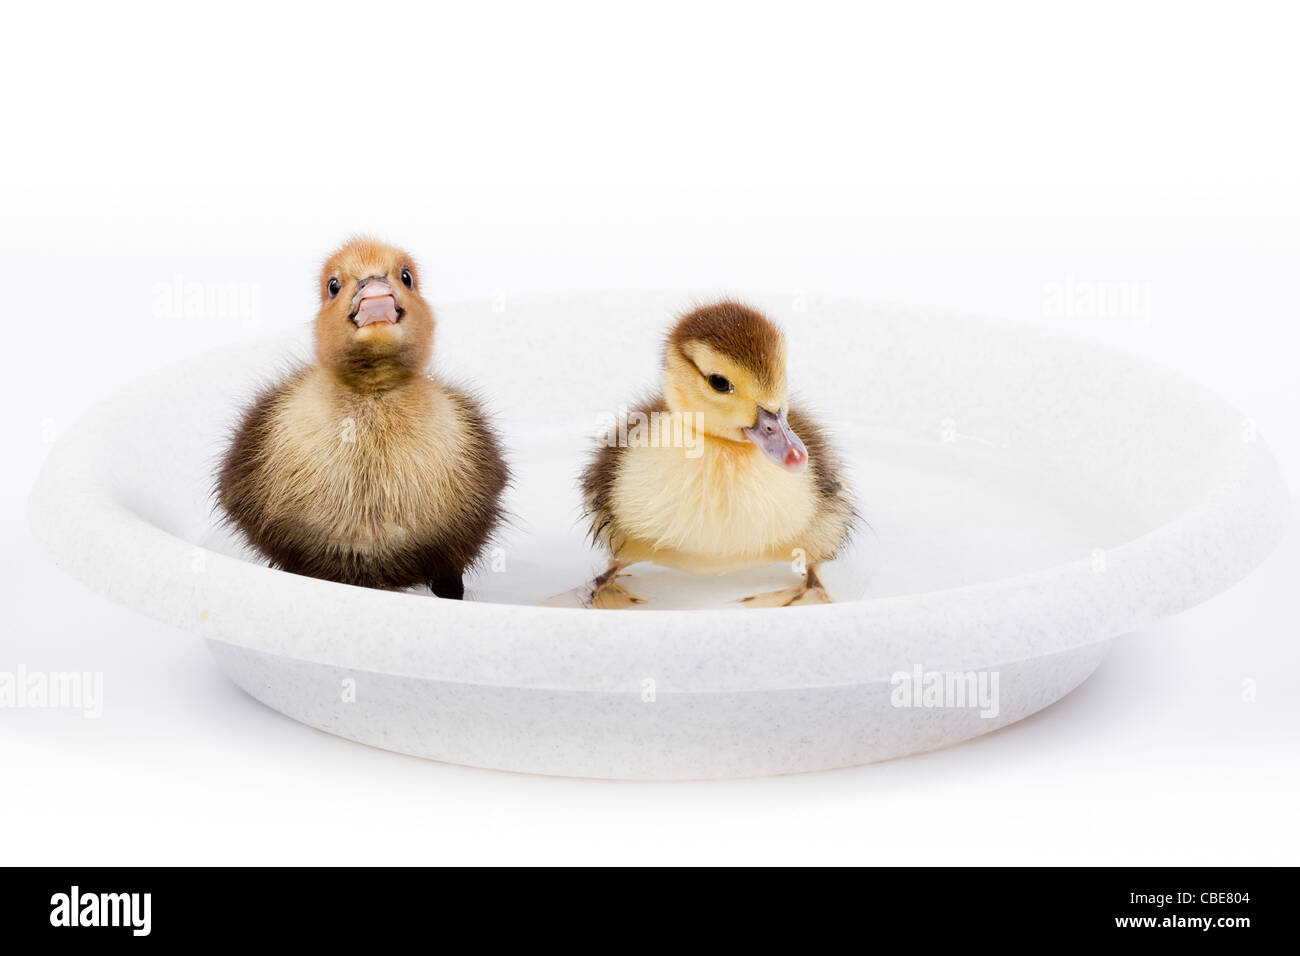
<point>775,439</point>
<point>375,301</point>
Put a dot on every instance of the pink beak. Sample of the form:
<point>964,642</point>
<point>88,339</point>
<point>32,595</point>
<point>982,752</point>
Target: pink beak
<point>774,437</point>
<point>376,301</point>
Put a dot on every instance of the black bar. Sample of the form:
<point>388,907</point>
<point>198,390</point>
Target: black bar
<point>370,905</point>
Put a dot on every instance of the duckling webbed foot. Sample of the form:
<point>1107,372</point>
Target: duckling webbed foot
<point>606,593</point>
<point>809,591</point>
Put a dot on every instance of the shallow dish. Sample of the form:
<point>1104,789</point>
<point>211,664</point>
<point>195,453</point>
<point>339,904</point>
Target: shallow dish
<point>1027,497</point>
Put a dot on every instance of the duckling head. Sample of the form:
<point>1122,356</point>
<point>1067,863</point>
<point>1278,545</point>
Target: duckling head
<point>726,362</point>
<point>374,328</point>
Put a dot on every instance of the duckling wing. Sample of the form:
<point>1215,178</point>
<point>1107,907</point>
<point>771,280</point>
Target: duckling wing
<point>240,491</point>
<point>834,515</point>
<point>598,478</point>
<point>485,476</point>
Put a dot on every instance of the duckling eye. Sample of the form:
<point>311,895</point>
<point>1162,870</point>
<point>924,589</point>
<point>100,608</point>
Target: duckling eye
<point>406,278</point>
<point>333,287</point>
<point>719,384</point>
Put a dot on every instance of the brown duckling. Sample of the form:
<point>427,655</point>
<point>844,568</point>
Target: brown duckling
<point>364,468</point>
<point>752,482</point>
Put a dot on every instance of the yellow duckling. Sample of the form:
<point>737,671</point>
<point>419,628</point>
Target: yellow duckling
<point>363,468</point>
<point>750,482</point>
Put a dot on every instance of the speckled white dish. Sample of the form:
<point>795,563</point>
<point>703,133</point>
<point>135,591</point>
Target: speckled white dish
<point>1028,498</point>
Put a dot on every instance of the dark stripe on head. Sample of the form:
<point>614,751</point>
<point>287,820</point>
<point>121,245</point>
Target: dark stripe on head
<point>742,334</point>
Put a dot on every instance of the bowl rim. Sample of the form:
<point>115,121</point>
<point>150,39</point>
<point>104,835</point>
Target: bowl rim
<point>85,528</point>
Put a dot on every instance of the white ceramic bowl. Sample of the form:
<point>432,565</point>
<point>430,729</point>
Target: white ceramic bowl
<point>1028,498</point>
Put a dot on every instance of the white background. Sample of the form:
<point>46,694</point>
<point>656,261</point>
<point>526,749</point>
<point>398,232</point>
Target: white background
<point>961,156</point>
